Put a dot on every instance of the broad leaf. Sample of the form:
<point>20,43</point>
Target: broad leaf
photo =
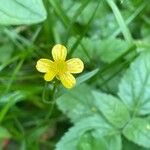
<point>15,12</point>
<point>71,140</point>
<point>112,108</point>
<point>134,89</point>
<point>93,140</point>
<point>138,131</point>
<point>88,50</point>
<point>105,50</point>
<point>112,48</point>
<point>129,145</point>
<point>78,103</point>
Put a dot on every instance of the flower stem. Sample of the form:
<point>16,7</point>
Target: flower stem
<point>52,101</point>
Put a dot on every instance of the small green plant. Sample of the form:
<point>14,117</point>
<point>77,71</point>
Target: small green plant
<point>106,107</point>
<point>100,120</point>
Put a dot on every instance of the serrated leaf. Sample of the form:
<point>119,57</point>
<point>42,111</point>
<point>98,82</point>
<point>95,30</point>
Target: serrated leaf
<point>15,12</point>
<point>92,140</point>
<point>78,103</point>
<point>112,108</point>
<point>105,50</point>
<point>87,141</point>
<point>129,145</point>
<point>138,131</point>
<point>111,140</point>
<point>112,48</point>
<point>88,52</point>
<point>134,89</point>
<point>4,133</point>
<point>72,137</point>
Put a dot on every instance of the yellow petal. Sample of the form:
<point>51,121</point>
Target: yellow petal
<point>67,80</point>
<point>59,52</point>
<point>44,65</point>
<point>75,65</point>
<point>49,76</point>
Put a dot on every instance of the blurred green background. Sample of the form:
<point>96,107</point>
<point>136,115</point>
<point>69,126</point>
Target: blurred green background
<point>107,35</point>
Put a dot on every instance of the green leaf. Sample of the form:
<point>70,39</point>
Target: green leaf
<point>74,135</point>
<point>9,100</point>
<point>134,89</point>
<point>87,141</point>
<point>88,50</point>
<point>138,131</point>
<point>145,32</point>
<point>92,140</point>
<point>125,31</point>
<point>78,103</point>
<point>111,49</point>
<point>95,50</point>
<point>112,108</point>
<point>14,97</point>
<point>6,52</point>
<point>36,134</point>
<point>86,76</point>
<point>4,133</point>
<point>129,145</point>
<point>15,12</point>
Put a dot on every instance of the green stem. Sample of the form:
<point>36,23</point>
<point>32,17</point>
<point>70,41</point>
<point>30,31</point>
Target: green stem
<point>52,102</point>
<point>52,95</point>
<point>74,18</point>
<point>120,20</point>
<point>75,45</point>
<point>14,74</point>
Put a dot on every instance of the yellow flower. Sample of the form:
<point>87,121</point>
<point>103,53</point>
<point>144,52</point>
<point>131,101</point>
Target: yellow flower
<point>60,68</point>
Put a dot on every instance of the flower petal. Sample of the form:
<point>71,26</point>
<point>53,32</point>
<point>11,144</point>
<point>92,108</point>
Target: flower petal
<point>44,65</point>
<point>75,65</point>
<point>49,76</point>
<point>67,80</point>
<point>59,52</point>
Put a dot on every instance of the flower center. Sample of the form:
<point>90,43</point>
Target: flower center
<point>60,66</point>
